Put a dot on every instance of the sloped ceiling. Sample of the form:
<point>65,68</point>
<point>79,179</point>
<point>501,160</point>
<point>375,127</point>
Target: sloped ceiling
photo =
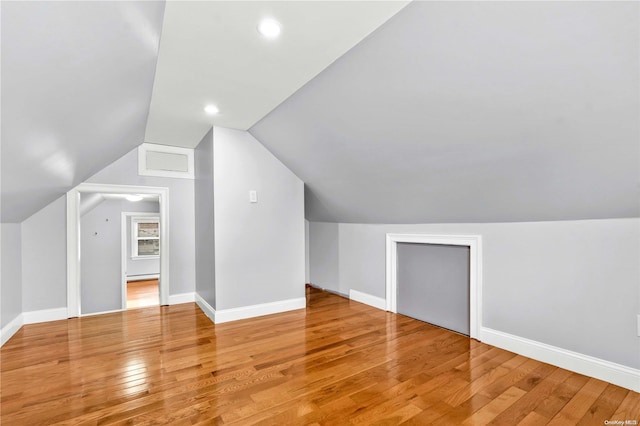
<point>77,78</point>
<point>473,112</point>
<point>211,53</point>
<point>76,87</point>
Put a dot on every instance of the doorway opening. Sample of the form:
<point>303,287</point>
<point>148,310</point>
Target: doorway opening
<point>474,244</point>
<point>140,260</point>
<point>74,235</point>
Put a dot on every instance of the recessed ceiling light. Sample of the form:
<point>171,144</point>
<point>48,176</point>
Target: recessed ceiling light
<point>133,197</point>
<point>211,109</point>
<point>270,28</point>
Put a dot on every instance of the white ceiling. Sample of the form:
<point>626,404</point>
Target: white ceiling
<point>211,52</point>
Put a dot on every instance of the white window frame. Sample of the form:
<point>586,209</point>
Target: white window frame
<point>135,220</point>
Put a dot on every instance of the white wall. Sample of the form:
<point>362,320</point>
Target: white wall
<point>572,285</point>
<point>259,247</point>
<point>323,256</point>
<point>124,171</point>
<point>204,223</point>
<point>44,258</point>
<point>11,267</point>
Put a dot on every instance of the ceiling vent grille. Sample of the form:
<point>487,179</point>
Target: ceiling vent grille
<point>165,161</point>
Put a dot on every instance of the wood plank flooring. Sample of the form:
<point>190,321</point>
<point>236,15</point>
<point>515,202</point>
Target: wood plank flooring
<point>142,293</point>
<point>336,363</point>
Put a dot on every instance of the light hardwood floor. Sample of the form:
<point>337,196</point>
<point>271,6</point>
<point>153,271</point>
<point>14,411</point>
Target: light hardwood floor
<point>142,293</point>
<point>337,363</point>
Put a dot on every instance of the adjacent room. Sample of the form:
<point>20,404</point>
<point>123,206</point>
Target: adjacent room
<point>320,212</point>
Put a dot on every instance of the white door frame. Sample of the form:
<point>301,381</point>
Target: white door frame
<point>474,242</point>
<point>73,237</point>
<point>124,240</point>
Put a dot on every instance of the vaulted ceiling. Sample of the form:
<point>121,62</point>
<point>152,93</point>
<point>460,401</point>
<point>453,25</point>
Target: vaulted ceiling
<point>211,53</point>
<point>433,112</point>
<point>76,87</point>
<point>85,82</point>
<point>473,112</point>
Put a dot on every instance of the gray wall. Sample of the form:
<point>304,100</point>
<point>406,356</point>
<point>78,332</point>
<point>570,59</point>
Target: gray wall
<point>472,111</point>
<point>572,284</point>
<point>100,256</point>
<point>124,171</point>
<point>44,258</point>
<point>323,256</point>
<point>259,247</point>
<point>11,267</point>
<point>204,223</point>
<point>100,259</point>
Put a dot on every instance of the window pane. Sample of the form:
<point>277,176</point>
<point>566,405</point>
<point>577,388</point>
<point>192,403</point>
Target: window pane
<point>148,230</point>
<point>148,247</point>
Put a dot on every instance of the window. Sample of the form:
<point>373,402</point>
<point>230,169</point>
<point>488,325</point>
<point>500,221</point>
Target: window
<point>145,237</point>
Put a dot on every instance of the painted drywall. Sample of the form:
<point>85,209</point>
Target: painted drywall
<point>89,202</point>
<point>77,79</point>
<point>44,258</point>
<point>100,282</point>
<point>473,111</point>
<point>259,247</point>
<point>569,284</point>
<point>100,256</point>
<point>323,256</point>
<point>124,171</point>
<point>11,267</point>
<point>204,222</point>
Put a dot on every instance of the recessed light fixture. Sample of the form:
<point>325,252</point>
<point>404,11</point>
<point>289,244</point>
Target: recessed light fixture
<point>211,109</point>
<point>133,197</point>
<point>270,28</point>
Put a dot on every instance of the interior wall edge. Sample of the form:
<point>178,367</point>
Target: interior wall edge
<point>10,329</point>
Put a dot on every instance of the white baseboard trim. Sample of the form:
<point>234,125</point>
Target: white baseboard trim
<point>90,314</point>
<point>367,299</point>
<point>205,307</point>
<point>176,299</point>
<point>10,329</point>
<point>44,315</point>
<point>234,314</point>
<point>142,277</point>
<point>611,372</point>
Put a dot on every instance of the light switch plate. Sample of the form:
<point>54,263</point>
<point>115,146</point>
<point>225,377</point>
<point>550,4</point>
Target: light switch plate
<point>253,196</point>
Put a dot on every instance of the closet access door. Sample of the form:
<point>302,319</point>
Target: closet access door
<point>433,284</point>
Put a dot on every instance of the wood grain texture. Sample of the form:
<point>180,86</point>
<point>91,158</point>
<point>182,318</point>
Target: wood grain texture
<point>338,362</point>
<point>142,293</point>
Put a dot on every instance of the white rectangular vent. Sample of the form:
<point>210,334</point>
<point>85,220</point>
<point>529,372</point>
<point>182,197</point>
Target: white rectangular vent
<point>165,161</point>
